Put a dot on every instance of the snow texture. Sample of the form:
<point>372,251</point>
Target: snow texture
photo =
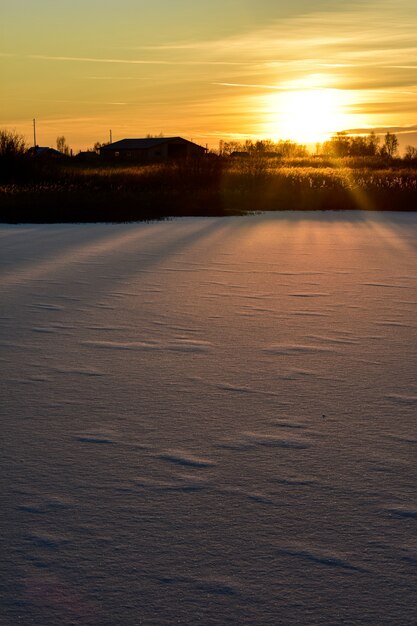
<point>210,421</point>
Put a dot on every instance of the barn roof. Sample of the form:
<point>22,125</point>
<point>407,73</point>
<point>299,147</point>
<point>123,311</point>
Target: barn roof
<point>44,151</point>
<point>143,144</point>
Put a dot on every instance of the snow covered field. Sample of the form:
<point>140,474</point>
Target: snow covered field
<point>210,421</point>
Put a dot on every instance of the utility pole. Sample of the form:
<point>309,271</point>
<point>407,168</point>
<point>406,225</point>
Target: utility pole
<point>34,133</point>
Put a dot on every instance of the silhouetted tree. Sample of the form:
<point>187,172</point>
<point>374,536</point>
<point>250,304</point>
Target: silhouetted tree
<point>410,153</point>
<point>263,147</point>
<point>13,156</point>
<point>338,146</point>
<point>343,145</point>
<point>11,144</point>
<point>357,146</point>
<point>98,145</point>
<point>390,147</point>
<point>372,142</point>
<point>227,147</point>
<point>364,146</point>
<point>62,146</point>
<point>290,149</point>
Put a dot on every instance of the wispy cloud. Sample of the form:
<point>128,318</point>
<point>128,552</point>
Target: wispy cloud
<point>88,102</point>
<point>185,45</point>
<point>44,57</point>
<point>368,48</point>
<point>251,86</point>
<point>135,78</point>
<point>379,130</point>
<point>345,43</point>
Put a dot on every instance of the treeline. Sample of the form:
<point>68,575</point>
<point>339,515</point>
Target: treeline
<point>13,147</point>
<point>342,145</point>
<point>263,147</point>
<point>56,188</point>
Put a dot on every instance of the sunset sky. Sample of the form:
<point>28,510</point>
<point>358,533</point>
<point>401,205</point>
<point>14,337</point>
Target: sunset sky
<point>224,69</point>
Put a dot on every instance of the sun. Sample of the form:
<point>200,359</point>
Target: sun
<point>308,115</point>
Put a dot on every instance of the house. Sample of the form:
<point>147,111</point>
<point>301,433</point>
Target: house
<point>87,156</point>
<point>152,149</point>
<point>45,152</point>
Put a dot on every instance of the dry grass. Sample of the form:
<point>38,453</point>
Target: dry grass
<point>211,186</point>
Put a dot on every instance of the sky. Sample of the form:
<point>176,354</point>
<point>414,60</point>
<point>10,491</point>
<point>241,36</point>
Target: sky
<point>223,69</point>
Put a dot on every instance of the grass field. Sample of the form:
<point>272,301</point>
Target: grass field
<point>77,192</point>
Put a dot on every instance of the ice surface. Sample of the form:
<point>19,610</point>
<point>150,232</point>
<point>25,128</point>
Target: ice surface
<point>210,421</point>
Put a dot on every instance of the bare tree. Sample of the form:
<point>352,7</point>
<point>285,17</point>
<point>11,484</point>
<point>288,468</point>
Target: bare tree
<point>98,145</point>
<point>62,146</point>
<point>338,145</point>
<point>410,153</point>
<point>372,142</point>
<point>11,144</point>
<point>390,147</point>
<point>13,156</point>
<point>228,147</point>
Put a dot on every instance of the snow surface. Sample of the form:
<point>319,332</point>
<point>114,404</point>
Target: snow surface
<point>210,421</point>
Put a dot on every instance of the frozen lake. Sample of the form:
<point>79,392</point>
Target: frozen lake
<point>210,421</point>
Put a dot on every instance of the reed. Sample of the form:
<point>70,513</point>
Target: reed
<point>74,192</point>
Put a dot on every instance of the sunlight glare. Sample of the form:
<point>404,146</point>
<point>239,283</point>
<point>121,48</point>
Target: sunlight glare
<point>308,115</point>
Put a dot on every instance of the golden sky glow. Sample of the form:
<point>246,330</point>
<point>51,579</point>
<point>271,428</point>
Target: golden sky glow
<point>307,115</point>
<point>206,71</point>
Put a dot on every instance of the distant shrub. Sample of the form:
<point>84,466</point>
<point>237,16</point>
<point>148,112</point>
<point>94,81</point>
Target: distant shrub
<point>410,154</point>
<point>12,144</point>
<point>13,155</point>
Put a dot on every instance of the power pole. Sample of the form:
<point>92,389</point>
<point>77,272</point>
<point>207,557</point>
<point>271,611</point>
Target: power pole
<point>34,133</point>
